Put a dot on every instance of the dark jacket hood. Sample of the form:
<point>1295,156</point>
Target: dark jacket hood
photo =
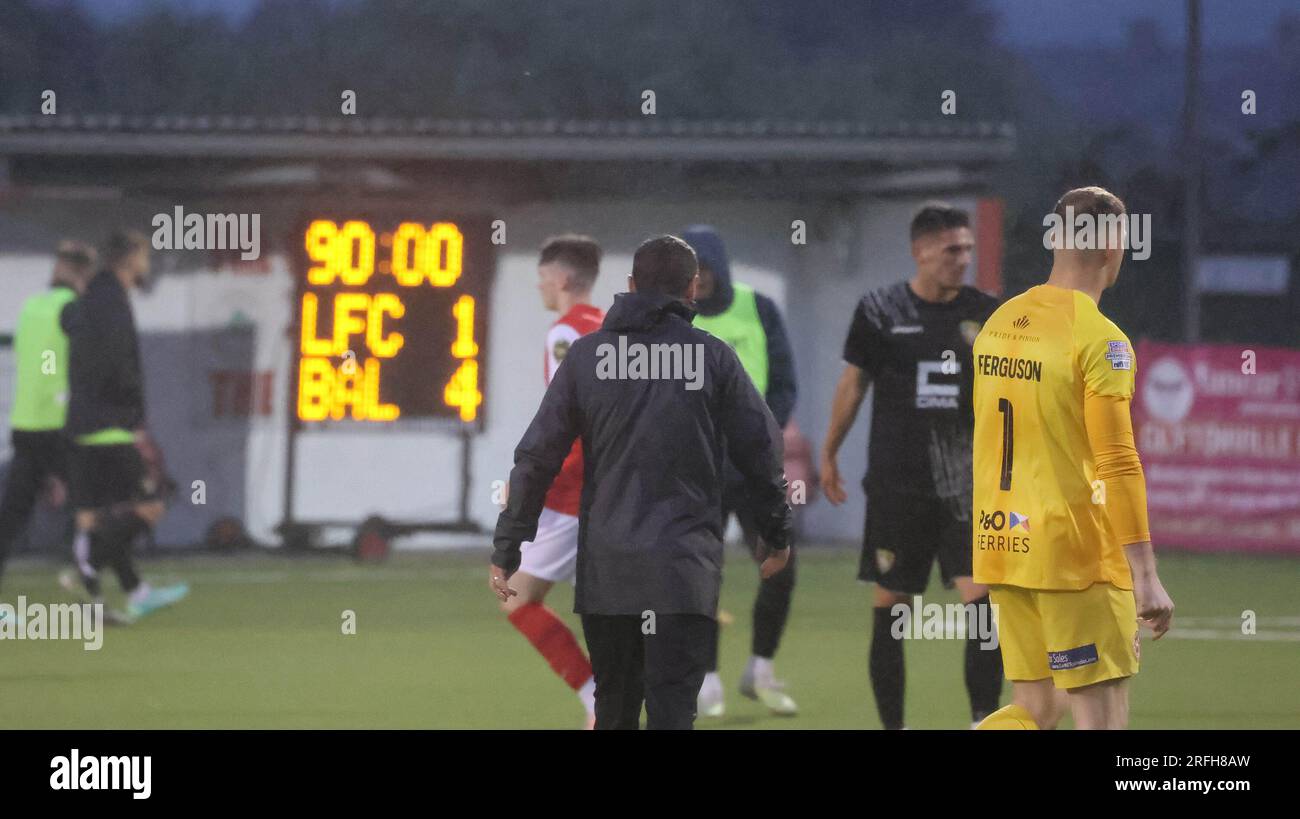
<point>712,254</point>
<point>642,311</point>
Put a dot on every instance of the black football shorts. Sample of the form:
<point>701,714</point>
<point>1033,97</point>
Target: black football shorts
<point>904,534</point>
<point>104,475</point>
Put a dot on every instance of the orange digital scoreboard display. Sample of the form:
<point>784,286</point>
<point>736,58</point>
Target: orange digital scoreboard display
<point>391,315</point>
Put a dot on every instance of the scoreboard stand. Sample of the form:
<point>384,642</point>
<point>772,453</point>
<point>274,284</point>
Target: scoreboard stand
<point>390,311</point>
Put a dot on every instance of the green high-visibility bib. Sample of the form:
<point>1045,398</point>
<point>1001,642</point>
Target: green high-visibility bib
<point>740,326</point>
<point>41,363</point>
<point>109,436</point>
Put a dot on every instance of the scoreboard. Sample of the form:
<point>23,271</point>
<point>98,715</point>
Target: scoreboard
<point>390,316</point>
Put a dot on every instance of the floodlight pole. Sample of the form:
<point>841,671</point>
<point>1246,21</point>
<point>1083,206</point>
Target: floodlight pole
<point>1191,177</point>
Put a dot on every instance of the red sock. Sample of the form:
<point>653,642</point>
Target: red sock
<point>554,641</point>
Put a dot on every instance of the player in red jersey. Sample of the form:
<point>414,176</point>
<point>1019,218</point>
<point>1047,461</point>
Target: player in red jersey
<point>566,272</point>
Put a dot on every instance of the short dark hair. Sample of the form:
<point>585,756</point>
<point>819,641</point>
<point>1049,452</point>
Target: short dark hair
<point>936,217</point>
<point>121,244</point>
<point>581,254</point>
<point>664,264</point>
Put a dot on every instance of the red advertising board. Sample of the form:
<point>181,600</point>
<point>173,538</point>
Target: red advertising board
<point>1218,429</point>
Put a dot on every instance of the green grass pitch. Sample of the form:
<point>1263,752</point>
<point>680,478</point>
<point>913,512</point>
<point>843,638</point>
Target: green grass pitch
<point>259,644</point>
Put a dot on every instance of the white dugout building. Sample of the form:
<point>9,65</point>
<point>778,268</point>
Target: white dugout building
<point>813,214</point>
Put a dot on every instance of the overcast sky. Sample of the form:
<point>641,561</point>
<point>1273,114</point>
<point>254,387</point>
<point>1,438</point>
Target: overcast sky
<point>1224,22</point>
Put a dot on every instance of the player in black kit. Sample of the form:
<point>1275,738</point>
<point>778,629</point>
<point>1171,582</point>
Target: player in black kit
<point>913,339</point>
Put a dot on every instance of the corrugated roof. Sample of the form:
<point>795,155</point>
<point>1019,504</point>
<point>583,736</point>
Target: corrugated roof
<point>647,139</point>
<point>380,126</point>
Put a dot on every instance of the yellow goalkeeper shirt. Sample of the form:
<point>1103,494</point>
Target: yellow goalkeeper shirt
<point>1058,488</point>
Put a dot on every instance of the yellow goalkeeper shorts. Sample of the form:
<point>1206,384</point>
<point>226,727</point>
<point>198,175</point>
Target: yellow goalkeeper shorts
<point>1075,637</point>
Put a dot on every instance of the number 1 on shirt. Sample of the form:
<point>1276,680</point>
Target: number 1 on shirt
<point>1008,424</point>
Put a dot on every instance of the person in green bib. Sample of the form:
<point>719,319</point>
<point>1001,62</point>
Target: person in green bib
<point>40,393</point>
<point>751,323</point>
<point>115,497</point>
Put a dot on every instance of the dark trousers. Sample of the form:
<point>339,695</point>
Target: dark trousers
<point>108,479</point>
<point>37,457</point>
<point>664,669</point>
<point>110,546</point>
<point>772,605</point>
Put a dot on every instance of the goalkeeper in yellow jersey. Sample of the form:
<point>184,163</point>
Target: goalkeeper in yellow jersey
<point>1059,515</point>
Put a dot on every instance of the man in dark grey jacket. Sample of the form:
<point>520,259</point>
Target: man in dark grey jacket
<point>657,404</point>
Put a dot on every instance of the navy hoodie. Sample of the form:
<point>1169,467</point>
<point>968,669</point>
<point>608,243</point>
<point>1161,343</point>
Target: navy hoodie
<point>781,386</point>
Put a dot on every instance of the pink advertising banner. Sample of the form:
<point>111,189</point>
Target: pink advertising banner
<point>1218,429</point>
